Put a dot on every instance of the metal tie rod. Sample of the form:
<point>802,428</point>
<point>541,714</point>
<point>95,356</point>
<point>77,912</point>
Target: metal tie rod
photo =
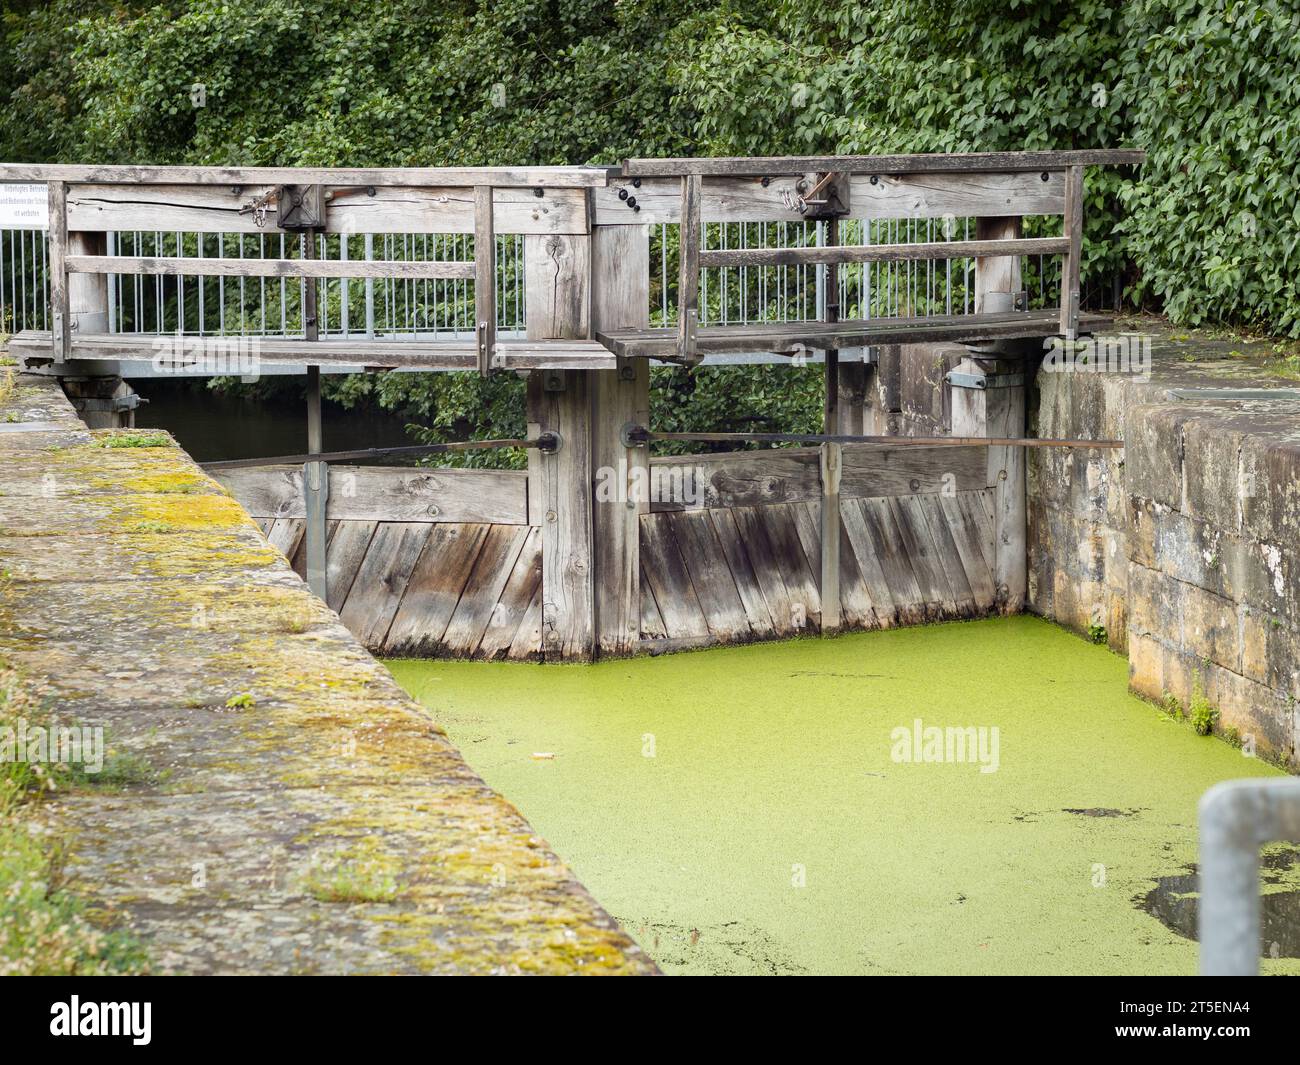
<point>638,436</point>
<point>547,443</point>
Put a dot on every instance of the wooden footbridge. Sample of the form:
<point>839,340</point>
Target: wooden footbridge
<point>600,547</point>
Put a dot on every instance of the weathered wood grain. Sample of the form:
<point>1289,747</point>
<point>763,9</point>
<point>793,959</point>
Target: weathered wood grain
<point>217,209</point>
<point>670,580</point>
<point>747,199</point>
<point>757,615</point>
<point>483,590</point>
<point>512,605</point>
<point>433,589</point>
<point>954,162</point>
<point>346,550</point>
<point>381,580</point>
<point>379,493</point>
<point>621,261</point>
<point>710,576</point>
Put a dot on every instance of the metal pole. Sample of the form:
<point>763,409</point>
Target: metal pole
<point>1237,818</point>
<point>315,475</point>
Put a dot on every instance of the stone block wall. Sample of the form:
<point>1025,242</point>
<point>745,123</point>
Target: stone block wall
<point>1185,546</point>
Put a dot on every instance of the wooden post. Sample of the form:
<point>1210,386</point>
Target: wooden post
<point>688,278</point>
<point>315,475</point>
<point>485,271</point>
<point>57,243</point>
<point>620,298</point>
<point>1073,223</point>
<point>830,536</point>
<point>315,487</point>
<point>557,292</point>
<point>998,409</point>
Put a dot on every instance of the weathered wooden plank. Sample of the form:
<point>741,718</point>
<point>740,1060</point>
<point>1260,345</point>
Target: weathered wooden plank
<point>967,538</point>
<point>1070,265</point>
<point>965,195</point>
<point>572,177</point>
<point>528,640</point>
<point>790,338</point>
<point>381,581</point>
<point>652,622</point>
<point>747,199</point>
<point>349,210</point>
<point>828,563</point>
<point>788,613</point>
<point>893,556</point>
<point>665,569</point>
<point>855,601</point>
<point>757,615</point>
<point>797,572</point>
<point>862,547</point>
<point>346,552</point>
<point>954,162</point>
<point>557,288</point>
<point>485,279</point>
<point>482,592</point>
<point>216,355</point>
<point>520,591</point>
<point>247,267</point>
<point>57,271</point>
<point>620,259</point>
<point>791,475</point>
<point>876,253</point>
<point>715,589</point>
<point>379,493</point>
<point>930,569</point>
<point>285,534</point>
<point>568,600</point>
<point>688,275</point>
<point>948,555</point>
<point>434,588</point>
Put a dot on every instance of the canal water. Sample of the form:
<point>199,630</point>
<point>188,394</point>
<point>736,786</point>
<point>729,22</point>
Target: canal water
<point>213,425</point>
<point>769,809</point>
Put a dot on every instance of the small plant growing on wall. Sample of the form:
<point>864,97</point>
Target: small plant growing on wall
<point>1203,715</point>
<point>1097,633</point>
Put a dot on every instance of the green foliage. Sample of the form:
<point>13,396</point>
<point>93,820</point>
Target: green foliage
<point>1203,716</point>
<point>1208,229</point>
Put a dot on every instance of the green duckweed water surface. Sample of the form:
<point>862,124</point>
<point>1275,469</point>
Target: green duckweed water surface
<point>739,809</point>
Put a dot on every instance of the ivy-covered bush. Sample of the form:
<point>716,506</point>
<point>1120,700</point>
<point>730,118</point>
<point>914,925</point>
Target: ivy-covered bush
<point>1207,231</point>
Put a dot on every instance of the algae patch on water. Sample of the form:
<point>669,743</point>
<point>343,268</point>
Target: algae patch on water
<point>741,809</point>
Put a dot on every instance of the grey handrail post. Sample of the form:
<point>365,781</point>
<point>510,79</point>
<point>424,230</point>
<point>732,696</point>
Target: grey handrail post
<point>1237,817</point>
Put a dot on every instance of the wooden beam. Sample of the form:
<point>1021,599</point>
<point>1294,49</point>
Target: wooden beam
<point>874,196</point>
<point>175,266</point>
<point>485,279</point>
<point>829,455</point>
<point>57,244</point>
<point>688,278</point>
<point>1070,264</point>
<point>964,162</point>
<point>565,501</point>
<point>620,260</point>
<point>387,493</point>
<point>557,289</point>
<point>443,353</point>
<point>571,177</point>
<point>870,253</point>
<point>348,210</point>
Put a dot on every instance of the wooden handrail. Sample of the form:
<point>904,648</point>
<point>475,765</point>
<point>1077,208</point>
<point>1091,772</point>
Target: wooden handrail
<point>961,162</point>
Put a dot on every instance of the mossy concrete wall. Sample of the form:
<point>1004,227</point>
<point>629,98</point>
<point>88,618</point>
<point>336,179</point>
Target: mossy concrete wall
<point>1184,547</point>
<point>277,803</point>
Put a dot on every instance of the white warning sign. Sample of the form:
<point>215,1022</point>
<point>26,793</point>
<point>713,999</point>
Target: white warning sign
<point>24,207</point>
